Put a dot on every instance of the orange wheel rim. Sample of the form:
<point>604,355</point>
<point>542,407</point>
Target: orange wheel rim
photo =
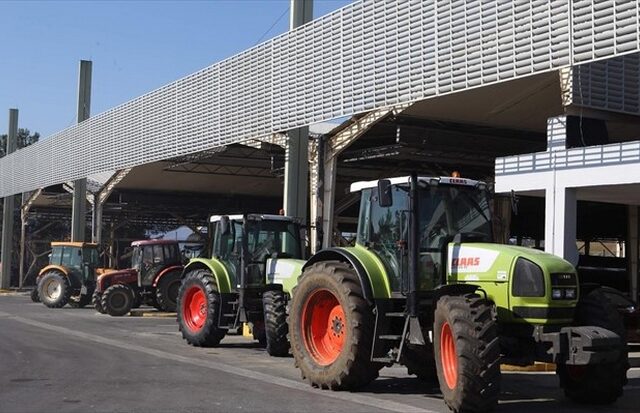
<point>323,327</point>
<point>194,308</point>
<point>448,356</point>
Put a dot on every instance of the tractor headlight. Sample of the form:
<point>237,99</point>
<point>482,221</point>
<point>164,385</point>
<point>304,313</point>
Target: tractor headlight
<point>556,294</point>
<point>528,279</point>
<point>570,293</point>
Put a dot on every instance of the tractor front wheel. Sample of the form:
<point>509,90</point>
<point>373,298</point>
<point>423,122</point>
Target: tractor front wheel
<point>467,353</point>
<point>332,327</point>
<point>275,323</point>
<point>54,289</point>
<point>597,383</point>
<point>167,291</point>
<point>199,308</point>
<point>117,300</point>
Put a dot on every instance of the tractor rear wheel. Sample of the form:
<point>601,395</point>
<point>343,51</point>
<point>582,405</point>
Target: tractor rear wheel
<point>199,308</point>
<point>35,297</point>
<point>117,300</point>
<point>96,299</point>
<point>275,323</point>
<point>54,289</point>
<point>467,353</point>
<point>332,327</point>
<point>597,383</point>
<point>167,291</point>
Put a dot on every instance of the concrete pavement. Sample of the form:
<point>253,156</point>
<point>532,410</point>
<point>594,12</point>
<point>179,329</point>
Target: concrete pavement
<point>79,360</point>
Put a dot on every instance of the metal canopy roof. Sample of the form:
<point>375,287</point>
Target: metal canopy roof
<point>368,55</point>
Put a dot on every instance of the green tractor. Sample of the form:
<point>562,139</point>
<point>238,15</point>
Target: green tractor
<point>70,276</point>
<point>254,264</point>
<point>425,287</point>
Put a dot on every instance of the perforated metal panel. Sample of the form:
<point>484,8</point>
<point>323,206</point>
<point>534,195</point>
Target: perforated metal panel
<point>612,84</point>
<point>368,55</point>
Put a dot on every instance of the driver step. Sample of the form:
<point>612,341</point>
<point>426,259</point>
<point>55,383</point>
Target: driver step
<point>390,337</point>
<point>384,360</point>
<point>398,314</point>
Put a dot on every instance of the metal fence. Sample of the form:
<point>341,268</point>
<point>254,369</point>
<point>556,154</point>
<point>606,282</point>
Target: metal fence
<point>367,55</point>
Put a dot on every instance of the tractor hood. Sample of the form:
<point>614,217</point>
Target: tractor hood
<point>493,262</point>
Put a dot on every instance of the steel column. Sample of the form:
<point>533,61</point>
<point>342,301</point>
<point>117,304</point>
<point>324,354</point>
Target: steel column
<point>632,251</point>
<point>8,209</point>
<point>79,210</point>
<point>296,168</point>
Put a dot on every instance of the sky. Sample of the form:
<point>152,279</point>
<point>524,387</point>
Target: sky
<point>135,46</point>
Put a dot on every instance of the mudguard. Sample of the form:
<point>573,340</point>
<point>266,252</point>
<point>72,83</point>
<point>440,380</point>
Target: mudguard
<point>216,268</point>
<point>370,270</point>
<point>53,267</point>
<point>164,272</point>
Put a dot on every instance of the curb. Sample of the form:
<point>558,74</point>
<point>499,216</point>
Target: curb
<point>151,313</point>
<point>534,367</point>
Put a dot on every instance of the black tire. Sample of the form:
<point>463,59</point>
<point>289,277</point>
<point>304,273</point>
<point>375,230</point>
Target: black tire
<point>96,299</point>
<point>54,289</point>
<point>465,329</point>
<point>203,332</point>
<point>599,383</point>
<point>137,299</point>
<point>167,292</point>
<point>419,361</point>
<point>35,297</point>
<point>117,300</point>
<point>352,367</point>
<point>274,304</point>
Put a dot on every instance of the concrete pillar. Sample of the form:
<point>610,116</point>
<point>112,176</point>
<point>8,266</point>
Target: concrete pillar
<point>8,209</point>
<point>97,222</point>
<point>23,240</point>
<point>560,223</point>
<point>296,166</point>
<point>79,209</point>
<point>633,251</point>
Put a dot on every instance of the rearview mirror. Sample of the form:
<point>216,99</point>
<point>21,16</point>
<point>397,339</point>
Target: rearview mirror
<point>385,198</point>
<point>224,225</point>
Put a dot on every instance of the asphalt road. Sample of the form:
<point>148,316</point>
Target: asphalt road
<point>76,360</point>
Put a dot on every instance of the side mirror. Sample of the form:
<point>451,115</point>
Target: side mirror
<point>385,198</point>
<point>225,228</point>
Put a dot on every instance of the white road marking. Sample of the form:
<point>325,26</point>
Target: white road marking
<point>249,374</point>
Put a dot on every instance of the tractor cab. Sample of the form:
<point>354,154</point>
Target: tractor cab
<point>445,209</point>
<point>79,259</point>
<point>150,257</point>
<point>249,246</point>
<point>70,275</point>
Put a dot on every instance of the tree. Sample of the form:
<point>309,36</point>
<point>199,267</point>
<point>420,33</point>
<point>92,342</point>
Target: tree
<point>25,138</point>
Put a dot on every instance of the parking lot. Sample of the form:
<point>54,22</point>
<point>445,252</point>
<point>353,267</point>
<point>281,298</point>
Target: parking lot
<point>79,360</point>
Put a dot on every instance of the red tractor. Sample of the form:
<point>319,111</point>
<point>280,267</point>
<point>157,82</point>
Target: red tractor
<point>154,278</point>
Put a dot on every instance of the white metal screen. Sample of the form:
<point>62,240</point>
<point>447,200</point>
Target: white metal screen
<point>371,54</point>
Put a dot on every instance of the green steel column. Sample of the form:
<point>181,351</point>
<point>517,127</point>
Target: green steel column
<point>296,168</point>
<point>8,210</point>
<point>79,209</point>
